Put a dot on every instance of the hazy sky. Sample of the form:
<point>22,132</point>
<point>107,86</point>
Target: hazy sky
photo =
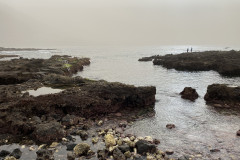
<point>33,23</point>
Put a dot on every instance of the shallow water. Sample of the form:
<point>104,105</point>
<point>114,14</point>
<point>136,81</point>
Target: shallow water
<point>42,91</point>
<point>199,127</point>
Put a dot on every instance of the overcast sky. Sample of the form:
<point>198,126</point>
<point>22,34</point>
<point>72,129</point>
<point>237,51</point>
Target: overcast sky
<point>34,23</point>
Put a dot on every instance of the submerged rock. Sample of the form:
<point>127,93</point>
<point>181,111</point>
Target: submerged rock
<point>4,153</point>
<point>43,154</point>
<point>17,153</point>
<point>118,155</point>
<point>189,93</point>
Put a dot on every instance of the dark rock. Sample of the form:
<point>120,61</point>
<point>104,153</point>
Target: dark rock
<point>17,153</point>
<point>124,148</point>
<point>70,120</point>
<point>189,93</point>
<point>48,132</point>
<point>170,126</point>
<point>138,157</point>
<point>118,155</point>
<point>70,156</point>
<point>238,133</point>
<point>225,63</point>
<point>71,146</point>
<point>102,154</point>
<point>169,152</point>
<point>144,146</point>
<point>44,154</point>
<point>214,150</point>
<point>4,153</point>
<point>223,95</point>
<point>156,141</point>
<point>84,135</point>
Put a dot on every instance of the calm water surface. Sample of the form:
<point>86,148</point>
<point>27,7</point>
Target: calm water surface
<point>199,127</point>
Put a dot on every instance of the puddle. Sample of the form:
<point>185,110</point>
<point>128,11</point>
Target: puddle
<point>42,91</point>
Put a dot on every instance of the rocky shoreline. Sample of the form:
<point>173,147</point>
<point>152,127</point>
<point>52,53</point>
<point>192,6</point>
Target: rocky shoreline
<point>225,63</point>
<point>55,119</point>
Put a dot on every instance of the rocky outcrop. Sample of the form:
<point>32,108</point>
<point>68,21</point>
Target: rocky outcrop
<point>225,63</point>
<point>189,93</point>
<point>21,70</point>
<point>7,56</point>
<point>222,95</point>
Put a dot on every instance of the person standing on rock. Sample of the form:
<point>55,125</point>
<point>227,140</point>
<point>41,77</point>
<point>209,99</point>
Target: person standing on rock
<point>191,49</point>
<point>187,50</point>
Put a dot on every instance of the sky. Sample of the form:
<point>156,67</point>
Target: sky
<point>46,23</point>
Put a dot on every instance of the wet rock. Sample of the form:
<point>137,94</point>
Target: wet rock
<point>225,63</point>
<point>189,93</point>
<point>156,141</point>
<point>100,123</point>
<point>170,126</point>
<point>109,140</point>
<point>95,140</point>
<point>127,154</point>
<point>43,154</point>
<point>54,145</point>
<point>144,146</point>
<point>17,153</point>
<point>70,146</point>
<point>148,138</point>
<point>102,154</point>
<point>10,158</point>
<point>118,155</point>
<point>223,95</point>
<point>124,148</point>
<point>70,156</point>
<point>48,132</point>
<point>138,157</point>
<point>81,149</point>
<point>84,135</point>
<point>70,120</point>
<point>214,150</point>
<point>238,133</point>
<point>169,152</point>
<point>4,153</point>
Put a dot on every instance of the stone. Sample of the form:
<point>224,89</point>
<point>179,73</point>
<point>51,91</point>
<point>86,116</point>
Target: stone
<point>170,126</point>
<point>95,140</point>
<point>118,155</point>
<point>214,150</point>
<point>84,135</point>
<point>17,153</point>
<point>144,146</point>
<point>124,148</point>
<point>148,138</point>
<point>81,149</point>
<point>48,132</point>
<point>4,153</point>
<point>119,142</point>
<point>156,141</point>
<point>100,123</point>
<point>150,157</point>
<point>169,152</point>
<point>238,133</point>
<point>127,154</point>
<point>71,146</point>
<point>109,140</point>
<point>32,148</point>
<point>54,145</point>
<point>45,154</point>
<point>189,93</point>
<point>70,156</point>
<point>10,158</point>
<point>102,154</point>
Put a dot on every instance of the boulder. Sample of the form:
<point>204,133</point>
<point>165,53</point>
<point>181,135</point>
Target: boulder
<point>189,93</point>
<point>144,146</point>
<point>81,149</point>
<point>70,146</point>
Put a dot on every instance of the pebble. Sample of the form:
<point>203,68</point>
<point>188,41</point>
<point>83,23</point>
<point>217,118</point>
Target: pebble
<point>170,126</point>
<point>32,148</point>
<point>169,152</point>
<point>238,133</point>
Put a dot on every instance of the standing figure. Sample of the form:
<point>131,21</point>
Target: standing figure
<point>191,49</point>
<point>187,50</point>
